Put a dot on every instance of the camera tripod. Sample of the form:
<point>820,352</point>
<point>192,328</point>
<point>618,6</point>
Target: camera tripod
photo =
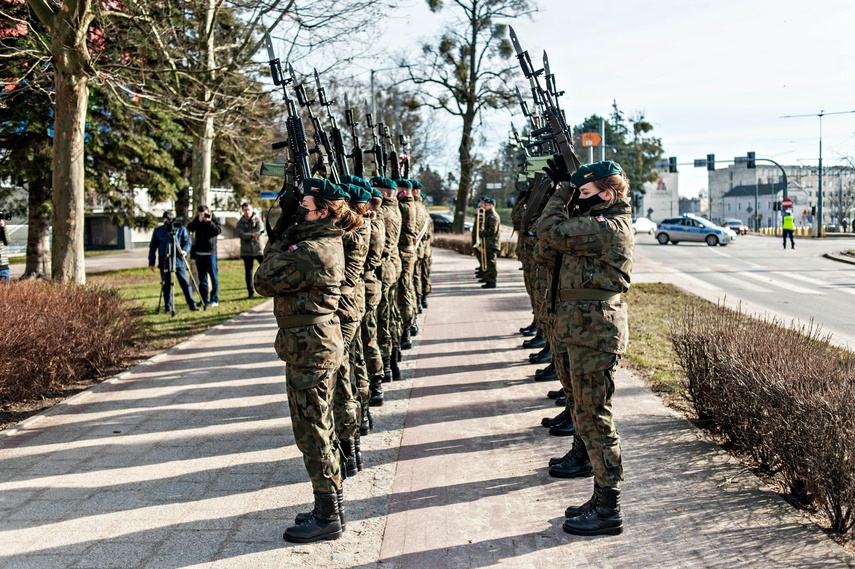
<point>172,251</point>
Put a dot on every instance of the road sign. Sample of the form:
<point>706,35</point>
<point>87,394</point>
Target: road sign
<point>787,203</point>
<point>269,195</point>
<point>591,139</point>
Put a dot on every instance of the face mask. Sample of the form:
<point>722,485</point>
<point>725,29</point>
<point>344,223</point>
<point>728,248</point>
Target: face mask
<point>300,213</point>
<point>586,204</point>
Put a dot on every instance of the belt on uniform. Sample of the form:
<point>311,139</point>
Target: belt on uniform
<point>348,290</point>
<point>298,320</point>
<point>588,294</point>
<point>408,248</point>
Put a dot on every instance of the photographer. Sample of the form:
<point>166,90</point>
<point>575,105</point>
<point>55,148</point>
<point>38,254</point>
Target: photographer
<point>4,258</point>
<point>205,228</point>
<point>249,232</point>
<point>168,239</point>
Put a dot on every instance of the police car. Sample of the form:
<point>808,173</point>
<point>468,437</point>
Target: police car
<point>692,228</point>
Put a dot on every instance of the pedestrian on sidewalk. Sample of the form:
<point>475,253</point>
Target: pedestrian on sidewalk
<point>206,228</point>
<point>788,227</point>
<point>171,244</point>
<point>304,271</point>
<point>249,232</point>
<point>594,233</point>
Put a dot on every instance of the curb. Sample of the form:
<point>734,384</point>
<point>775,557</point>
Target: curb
<point>840,257</point>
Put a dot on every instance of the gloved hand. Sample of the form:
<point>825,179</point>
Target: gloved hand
<point>556,169</point>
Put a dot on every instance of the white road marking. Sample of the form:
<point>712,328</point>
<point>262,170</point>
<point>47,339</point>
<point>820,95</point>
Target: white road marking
<point>778,283</point>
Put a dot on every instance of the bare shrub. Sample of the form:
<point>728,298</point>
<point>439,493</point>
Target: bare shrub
<point>784,395</point>
<point>53,335</point>
<point>463,245</point>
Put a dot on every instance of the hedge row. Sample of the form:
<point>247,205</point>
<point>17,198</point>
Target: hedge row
<point>53,335</point>
<point>783,395</point>
<point>463,245</point>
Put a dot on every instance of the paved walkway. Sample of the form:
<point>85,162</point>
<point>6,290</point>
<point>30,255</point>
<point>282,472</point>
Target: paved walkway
<point>188,461</point>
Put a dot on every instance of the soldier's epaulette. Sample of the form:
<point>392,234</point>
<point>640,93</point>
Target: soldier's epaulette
<point>601,218</point>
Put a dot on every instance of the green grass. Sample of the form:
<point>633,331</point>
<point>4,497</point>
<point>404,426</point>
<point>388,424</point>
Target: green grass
<point>142,287</point>
<point>21,259</point>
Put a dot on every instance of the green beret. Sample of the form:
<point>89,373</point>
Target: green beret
<point>357,194</point>
<point>402,183</point>
<point>356,181</point>
<point>596,171</point>
<point>485,199</point>
<point>424,195</point>
<point>416,185</point>
<point>381,182</point>
<point>320,188</point>
<point>375,193</point>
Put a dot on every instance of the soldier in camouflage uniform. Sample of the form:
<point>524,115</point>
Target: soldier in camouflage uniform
<point>427,256</point>
<point>373,295</point>
<point>407,249</point>
<point>423,222</point>
<point>303,271</point>
<point>491,237</point>
<point>595,239</point>
<point>525,243</point>
<point>388,319</point>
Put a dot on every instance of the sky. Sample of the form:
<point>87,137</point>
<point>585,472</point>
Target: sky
<point>712,77</point>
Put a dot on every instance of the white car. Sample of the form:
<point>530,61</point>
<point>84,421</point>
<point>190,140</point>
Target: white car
<point>642,225</point>
<point>691,228</point>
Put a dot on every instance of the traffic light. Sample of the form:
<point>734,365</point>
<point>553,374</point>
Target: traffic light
<point>672,164</point>
<point>711,162</point>
<point>751,163</point>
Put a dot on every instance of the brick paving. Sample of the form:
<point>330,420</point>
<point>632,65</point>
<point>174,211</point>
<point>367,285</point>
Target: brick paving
<point>188,461</point>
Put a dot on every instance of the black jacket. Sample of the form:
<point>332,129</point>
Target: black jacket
<point>205,234</point>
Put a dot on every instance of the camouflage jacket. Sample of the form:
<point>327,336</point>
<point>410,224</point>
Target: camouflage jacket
<point>518,211</point>
<point>409,218</point>
<point>391,257</point>
<point>596,262</point>
<point>303,272</point>
<point>352,302</point>
<point>374,260</point>
<point>249,246</point>
<point>421,217</point>
<point>491,234</point>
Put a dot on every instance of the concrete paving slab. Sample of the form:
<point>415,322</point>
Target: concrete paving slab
<point>188,461</point>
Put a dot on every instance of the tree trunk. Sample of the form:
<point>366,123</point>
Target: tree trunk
<point>203,145</point>
<point>466,169</point>
<point>38,229</point>
<point>72,96</point>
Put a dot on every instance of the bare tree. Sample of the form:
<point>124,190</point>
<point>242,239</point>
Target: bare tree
<point>466,71</point>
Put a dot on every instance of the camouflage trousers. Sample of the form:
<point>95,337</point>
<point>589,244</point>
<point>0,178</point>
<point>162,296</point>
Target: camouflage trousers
<point>492,272</point>
<point>312,421</point>
<point>372,354</point>
<point>541,291</point>
<point>406,292</point>
<point>346,406</point>
<point>388,321</point>
<point>425,263</point>
<point>525,244</point>
<point>592,378</point>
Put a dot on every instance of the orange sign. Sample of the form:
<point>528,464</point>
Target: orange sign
<point>591,139</point>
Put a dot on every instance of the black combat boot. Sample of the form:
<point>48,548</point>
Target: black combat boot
<point>347,451</point>
<point>365,426</point>
<point>489,284</point>
<point>419,303</point>
<point>564,429</point>
<point>559,459</point>
<point>561,401</point>
<point>424,302</point>
<point>414,330</point>
<point>536,342</point>
<point>557,420</point>
<point>357,452</point>
<point>398,356</point>
<point>396,371</point>
<point>544,356</point>
<point>322,523</point>
<point>406,342</point>
<point>573,511</point>
<point>376,393</point>
<point>387,370</point>
<point>529,330</point>
<point>555,394</point>
<point>547,374</point>
<point>603,517</point>
<point>577,465</point>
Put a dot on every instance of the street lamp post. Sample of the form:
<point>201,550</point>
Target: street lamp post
<point>819,169</point>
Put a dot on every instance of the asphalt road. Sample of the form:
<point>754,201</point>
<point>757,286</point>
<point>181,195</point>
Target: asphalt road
<point>758,273</point>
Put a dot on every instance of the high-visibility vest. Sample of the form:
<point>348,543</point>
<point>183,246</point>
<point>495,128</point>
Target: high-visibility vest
<point>789,223</point>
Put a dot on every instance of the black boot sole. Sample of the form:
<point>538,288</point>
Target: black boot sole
<point>325,537</point>
<point>375,402</point>
<point>605,531</point>
<point>559,474</point>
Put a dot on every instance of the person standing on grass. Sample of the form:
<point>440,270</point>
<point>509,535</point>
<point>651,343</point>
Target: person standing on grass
<point>249,232</point>
<point>206,227</point>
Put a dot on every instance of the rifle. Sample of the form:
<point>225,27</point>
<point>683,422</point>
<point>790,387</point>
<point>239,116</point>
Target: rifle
<point>337,140</point>
<point>356,155</point>
<point>322,142</point>
<point>404,141</point>
<point>394,165</point>
<point>298,151</point>
<point>377,149</point>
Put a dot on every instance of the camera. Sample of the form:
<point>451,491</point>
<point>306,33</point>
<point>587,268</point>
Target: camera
<point>5,215</point>
<point>173,224</point>
<point>206,216</point>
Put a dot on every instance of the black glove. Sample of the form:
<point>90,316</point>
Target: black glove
<point>557,170</point>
